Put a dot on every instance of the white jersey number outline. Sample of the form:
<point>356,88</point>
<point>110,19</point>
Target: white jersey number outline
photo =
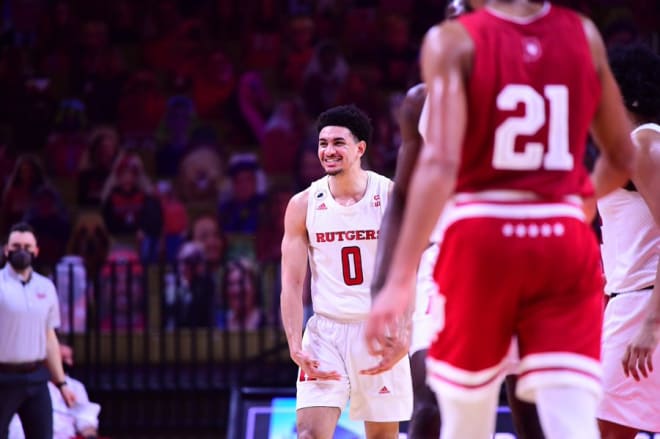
<point>558,156</point>
<point>351,265</point>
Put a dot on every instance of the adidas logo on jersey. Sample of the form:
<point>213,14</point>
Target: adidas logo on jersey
<point>384,391</point>
<point>322,206</point>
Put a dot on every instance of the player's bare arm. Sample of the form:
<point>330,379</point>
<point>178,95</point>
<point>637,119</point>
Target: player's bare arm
<point>411,142</point>
<point>637,360</point>
<point>294,268</point>
<point>446,57</point>
<point>615,163</point>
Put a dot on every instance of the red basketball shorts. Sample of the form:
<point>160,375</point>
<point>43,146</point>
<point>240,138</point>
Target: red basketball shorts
<point>538,279</point>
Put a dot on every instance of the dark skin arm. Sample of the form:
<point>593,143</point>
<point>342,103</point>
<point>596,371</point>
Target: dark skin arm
<point>610,127</point>
<point>446,58</point>
<point>411,143</point>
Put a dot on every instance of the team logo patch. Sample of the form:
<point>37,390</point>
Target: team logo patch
<point>532,50</point>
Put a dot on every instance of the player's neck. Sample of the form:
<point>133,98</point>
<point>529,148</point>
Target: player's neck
<point>348,187</point>
<point>516,8</point>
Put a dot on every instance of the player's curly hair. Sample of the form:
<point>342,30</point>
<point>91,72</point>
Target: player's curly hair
<point>637,71</point>
<point>349,116</point>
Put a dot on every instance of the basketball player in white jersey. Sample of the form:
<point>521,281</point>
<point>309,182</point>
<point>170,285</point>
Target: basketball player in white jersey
<point>336,223</point>
<point>631,245</point>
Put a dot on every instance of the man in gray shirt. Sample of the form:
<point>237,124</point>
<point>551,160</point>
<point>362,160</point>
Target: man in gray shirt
<point>29,349</point>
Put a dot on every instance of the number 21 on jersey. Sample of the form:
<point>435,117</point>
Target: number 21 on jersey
<point>555,155</point>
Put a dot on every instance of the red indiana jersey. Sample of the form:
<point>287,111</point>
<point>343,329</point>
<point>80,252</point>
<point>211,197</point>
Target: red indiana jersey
<point>532,94</point>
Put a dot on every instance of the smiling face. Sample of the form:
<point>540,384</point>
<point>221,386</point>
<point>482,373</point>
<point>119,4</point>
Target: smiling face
<point>339,151</point>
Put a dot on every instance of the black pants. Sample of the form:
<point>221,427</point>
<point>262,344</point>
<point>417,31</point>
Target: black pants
<point>31,400</point>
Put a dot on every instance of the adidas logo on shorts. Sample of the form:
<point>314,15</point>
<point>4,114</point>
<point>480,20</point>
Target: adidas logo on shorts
<point>384,391</point>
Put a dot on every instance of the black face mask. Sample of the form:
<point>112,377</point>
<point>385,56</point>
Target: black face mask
<point>20,259</point>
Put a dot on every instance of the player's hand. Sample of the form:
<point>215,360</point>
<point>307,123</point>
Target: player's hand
<point>68,396</point>
<point>395,348</point>
<point>638,358</point>
<point>310,367</point>
<point>387,314</point>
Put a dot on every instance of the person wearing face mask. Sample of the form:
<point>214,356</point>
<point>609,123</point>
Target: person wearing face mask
<point>29,349</point>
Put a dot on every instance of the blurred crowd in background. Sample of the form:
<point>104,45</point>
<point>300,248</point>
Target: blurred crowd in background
<point>171,133</point>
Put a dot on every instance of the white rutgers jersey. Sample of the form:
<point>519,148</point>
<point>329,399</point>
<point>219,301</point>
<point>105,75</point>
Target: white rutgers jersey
<point>631,239</point>
<point>342,248</point>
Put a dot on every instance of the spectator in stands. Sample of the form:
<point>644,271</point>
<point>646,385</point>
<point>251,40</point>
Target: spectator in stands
<point>122,290</point>
<point>67,142</point>
<point>32,111</point>
<point>187,55</point>
<point>200,176</point>
<point>141,105</point>
<point>50,219</point>
<point>174,135</point>
<point>308,167</point>
<point>283,137</point>
<point>213,85</point>
<point>248,111</point>
<point>397,56</point>
<point>70,279</point>
<point>124,25</point>
<point>359,30</point>
<point>271,228</point>
<point>297,53</point>
<point>99,72</point>
<point>175,220</point>
<point>261,40</point>
<point>361,89</point>
<point>60,28</point>
<point>26,177</point>
<point>91,241</point>
<point>191,304</point>
<point>124,196</point>
<point>241,290</point>
<point>324,77</point>
<point>241,211</point>
<point>80,421</point>
<point>164,21</point>
<point>384,147</point>
<point>96,164</point>
<point>206,231</point>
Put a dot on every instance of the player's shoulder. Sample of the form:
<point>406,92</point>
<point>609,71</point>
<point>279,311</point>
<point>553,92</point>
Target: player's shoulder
<point>296,211</point>
<point>414,98</point>
<point>379,177</point>
<point>449,40</point>
<point>647,137</point>
<point>300,199</point>
<point>448,32</point>
<point>380,182</point>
